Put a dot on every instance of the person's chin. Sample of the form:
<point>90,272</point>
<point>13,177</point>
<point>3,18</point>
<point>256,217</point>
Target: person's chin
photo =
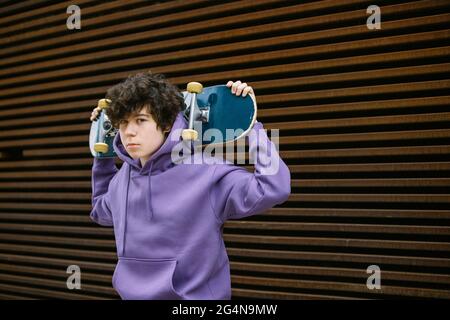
<point>134,155</point>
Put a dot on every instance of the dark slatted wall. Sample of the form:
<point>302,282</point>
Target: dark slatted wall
<point>364,126</point>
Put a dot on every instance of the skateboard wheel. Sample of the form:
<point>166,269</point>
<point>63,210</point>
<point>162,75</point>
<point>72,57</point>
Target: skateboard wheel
<point>194,87</point>
<point>189,134</point>
<point>103,103</point>
<point>101,147</point>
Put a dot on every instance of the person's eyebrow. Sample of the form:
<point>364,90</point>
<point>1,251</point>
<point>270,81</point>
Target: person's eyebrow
<point>143,114</point>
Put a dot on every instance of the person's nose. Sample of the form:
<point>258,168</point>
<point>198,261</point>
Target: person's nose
<point>130,130</point>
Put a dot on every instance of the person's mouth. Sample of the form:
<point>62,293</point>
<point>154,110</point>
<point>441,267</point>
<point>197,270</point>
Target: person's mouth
<point>132,145</point>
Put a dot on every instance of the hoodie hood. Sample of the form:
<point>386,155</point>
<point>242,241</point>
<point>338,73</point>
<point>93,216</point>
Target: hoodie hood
<point>160,160</point>
<point>154,163</point>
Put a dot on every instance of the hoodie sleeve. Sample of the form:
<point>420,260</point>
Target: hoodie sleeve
<point>103,171</point>
<point>237,193</point>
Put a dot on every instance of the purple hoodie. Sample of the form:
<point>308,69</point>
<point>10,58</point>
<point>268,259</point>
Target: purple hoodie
<point>167,216</point>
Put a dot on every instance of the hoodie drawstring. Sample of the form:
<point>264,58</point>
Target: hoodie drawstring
<point>150,208</point>
<point>126,212</point>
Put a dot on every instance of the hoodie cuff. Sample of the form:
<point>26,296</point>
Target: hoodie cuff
<point>258,125</point>
<point>104,163</point>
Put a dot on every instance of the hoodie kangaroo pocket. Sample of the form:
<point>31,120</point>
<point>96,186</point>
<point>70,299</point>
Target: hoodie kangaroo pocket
<point>145,279</point>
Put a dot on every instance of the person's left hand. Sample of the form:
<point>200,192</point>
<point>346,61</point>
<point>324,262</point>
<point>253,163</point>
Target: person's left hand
<point>238,87</point>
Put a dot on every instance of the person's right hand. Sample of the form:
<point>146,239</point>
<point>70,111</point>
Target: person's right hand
<point>95,114</point>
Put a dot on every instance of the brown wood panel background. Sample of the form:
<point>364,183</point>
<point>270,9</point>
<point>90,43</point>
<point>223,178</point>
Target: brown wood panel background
<point>364,125</point>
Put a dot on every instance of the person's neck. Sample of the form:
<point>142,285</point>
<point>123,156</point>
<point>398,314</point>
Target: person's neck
<point>144,160</point>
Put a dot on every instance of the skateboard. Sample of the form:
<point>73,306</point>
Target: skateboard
<point>101,136</point>
<point>230,117</point>
<point>218,109</point>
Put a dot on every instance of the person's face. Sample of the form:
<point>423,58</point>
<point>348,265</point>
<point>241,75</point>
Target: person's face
<point>140,129</point>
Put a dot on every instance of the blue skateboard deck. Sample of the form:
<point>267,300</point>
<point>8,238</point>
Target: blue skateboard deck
<point>224,112</point>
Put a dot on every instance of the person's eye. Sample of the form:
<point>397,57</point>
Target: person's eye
<point>141,120</point>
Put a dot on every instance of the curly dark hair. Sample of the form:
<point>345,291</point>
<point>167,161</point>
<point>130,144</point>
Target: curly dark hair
<point>163,99</point>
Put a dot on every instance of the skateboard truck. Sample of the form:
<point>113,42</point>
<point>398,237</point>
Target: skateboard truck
<point>102,147</point>
<point>195,113</point>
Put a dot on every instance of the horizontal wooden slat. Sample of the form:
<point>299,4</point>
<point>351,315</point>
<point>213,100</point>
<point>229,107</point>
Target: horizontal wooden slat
<point>370,167</point>
<point>86,276</point>
<point>342,227</point>
<point>55,284</point>
<point>61,240</point>
<point>343,183</point>
<point>360,213</point>
<point>46,185</point>
<point>46,174</point>
<point>340,242</point>
<point>42,217</point>
<point>45,141</point>
<point>340,286</point>
<point>410,198</point>
<point>46,163</point>
<point>56,229</point>
<point>267,294</point>
<point>56,262</point>
<point>62,207</point>
<point>5,296</point>
<point>338,272</point>
<point>366,152</point>
<point>82,254</point>
<point>340,257</point>
<point>46,293</point>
